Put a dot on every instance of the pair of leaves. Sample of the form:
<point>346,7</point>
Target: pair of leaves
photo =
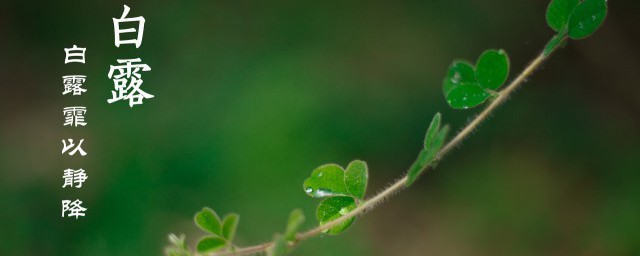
<point>280,245</point>
<point>342,190</point>
<point>433,142</point>
<point>221,232</point>
<point>466,86</point>
<point>332,180</point>
<point>579,18</point>
<point>574,19</point>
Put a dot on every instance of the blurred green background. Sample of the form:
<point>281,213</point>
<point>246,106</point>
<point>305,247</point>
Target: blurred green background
<point>250,96</point>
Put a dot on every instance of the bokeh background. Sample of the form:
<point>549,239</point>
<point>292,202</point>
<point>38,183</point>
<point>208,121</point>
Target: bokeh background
<point>251,96</point>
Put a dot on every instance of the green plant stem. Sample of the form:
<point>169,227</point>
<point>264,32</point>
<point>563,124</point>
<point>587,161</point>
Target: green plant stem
<point>396,187</point>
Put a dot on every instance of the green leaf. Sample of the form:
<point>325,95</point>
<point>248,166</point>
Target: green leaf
<point>558,13</point>
<point>466,86</point>
<point>427,155</point>
<point>492,69</point>
<point>460,72</point>
<point>417,167</point>
<point>437,144</point>
<point>208,221</point>
<point>467,96</point>
<point>177,240</point>
<point>356,178</point>
<point>210,244</point>
<point>279,247</point>
<point>178,246</point>
<point>296,218</point>
<point>326,180</point>
<point>333,208</point>
<point>587,18</point>
<point>229,226</point>
<point>433,130</point>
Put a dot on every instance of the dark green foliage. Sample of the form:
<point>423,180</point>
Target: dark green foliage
<point>344,190</point>
<point>576,19</point>
<point>466,86</point>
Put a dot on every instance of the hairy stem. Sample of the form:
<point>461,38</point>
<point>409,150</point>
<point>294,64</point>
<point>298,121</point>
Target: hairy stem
<point>371,203</point>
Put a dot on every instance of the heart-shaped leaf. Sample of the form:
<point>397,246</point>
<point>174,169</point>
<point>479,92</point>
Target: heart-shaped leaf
<point>587,18</point>
<point>210,244</point>
<point>333,208</point>
<point>558,13</point>
<point>209,221</point>
<point>492,69</point>
<point>356,178</point>
<point>296,218</point>
<point>326,180</point>
<point>229,226</point>
<point>459,73</point>
<point>467,96</point>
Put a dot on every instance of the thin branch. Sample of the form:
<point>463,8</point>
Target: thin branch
<point>396,187</point>
<point>246,250</point>
<point>501,98</point>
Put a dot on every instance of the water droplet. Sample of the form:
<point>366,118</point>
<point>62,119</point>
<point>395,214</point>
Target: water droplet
<point>322,193</point>
<point>456,78</point>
